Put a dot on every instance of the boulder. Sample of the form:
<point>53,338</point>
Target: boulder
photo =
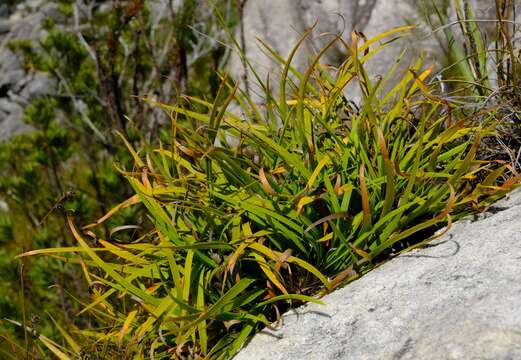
<point>459,298</point>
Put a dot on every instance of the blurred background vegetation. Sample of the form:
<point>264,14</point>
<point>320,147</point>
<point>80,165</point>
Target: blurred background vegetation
<point>103,58</point>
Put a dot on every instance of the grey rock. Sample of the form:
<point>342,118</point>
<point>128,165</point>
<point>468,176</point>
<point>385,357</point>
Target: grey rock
<point>27,27</point>
<point>9,61</point>
<point>9,107</point>
<point>12,125</point>
<point>40,84</point>
<point>459,298</point>
<point>11,79</point>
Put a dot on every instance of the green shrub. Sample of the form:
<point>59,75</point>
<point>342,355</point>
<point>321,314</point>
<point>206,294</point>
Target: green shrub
<point>249,215</point>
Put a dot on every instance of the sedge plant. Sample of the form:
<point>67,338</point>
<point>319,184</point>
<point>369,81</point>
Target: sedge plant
<point>255,210</point>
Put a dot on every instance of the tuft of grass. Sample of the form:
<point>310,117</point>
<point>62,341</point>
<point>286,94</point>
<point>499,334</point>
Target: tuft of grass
<point>252,211</point>
<point>482,69</point>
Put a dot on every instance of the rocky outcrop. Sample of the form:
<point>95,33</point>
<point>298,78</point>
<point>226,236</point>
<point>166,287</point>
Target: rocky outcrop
<point>18,86</point>
<point>459,298</point>
<point>281,23</point>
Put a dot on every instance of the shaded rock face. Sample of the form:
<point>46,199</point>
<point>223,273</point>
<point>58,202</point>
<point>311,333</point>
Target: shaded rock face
<point>281,23</point>
<point>460,298</point>
<point>18,87</point>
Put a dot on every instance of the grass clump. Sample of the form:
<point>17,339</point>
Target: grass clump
<point>247,215</point>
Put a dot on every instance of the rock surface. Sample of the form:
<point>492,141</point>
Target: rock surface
<point>460,298</point>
